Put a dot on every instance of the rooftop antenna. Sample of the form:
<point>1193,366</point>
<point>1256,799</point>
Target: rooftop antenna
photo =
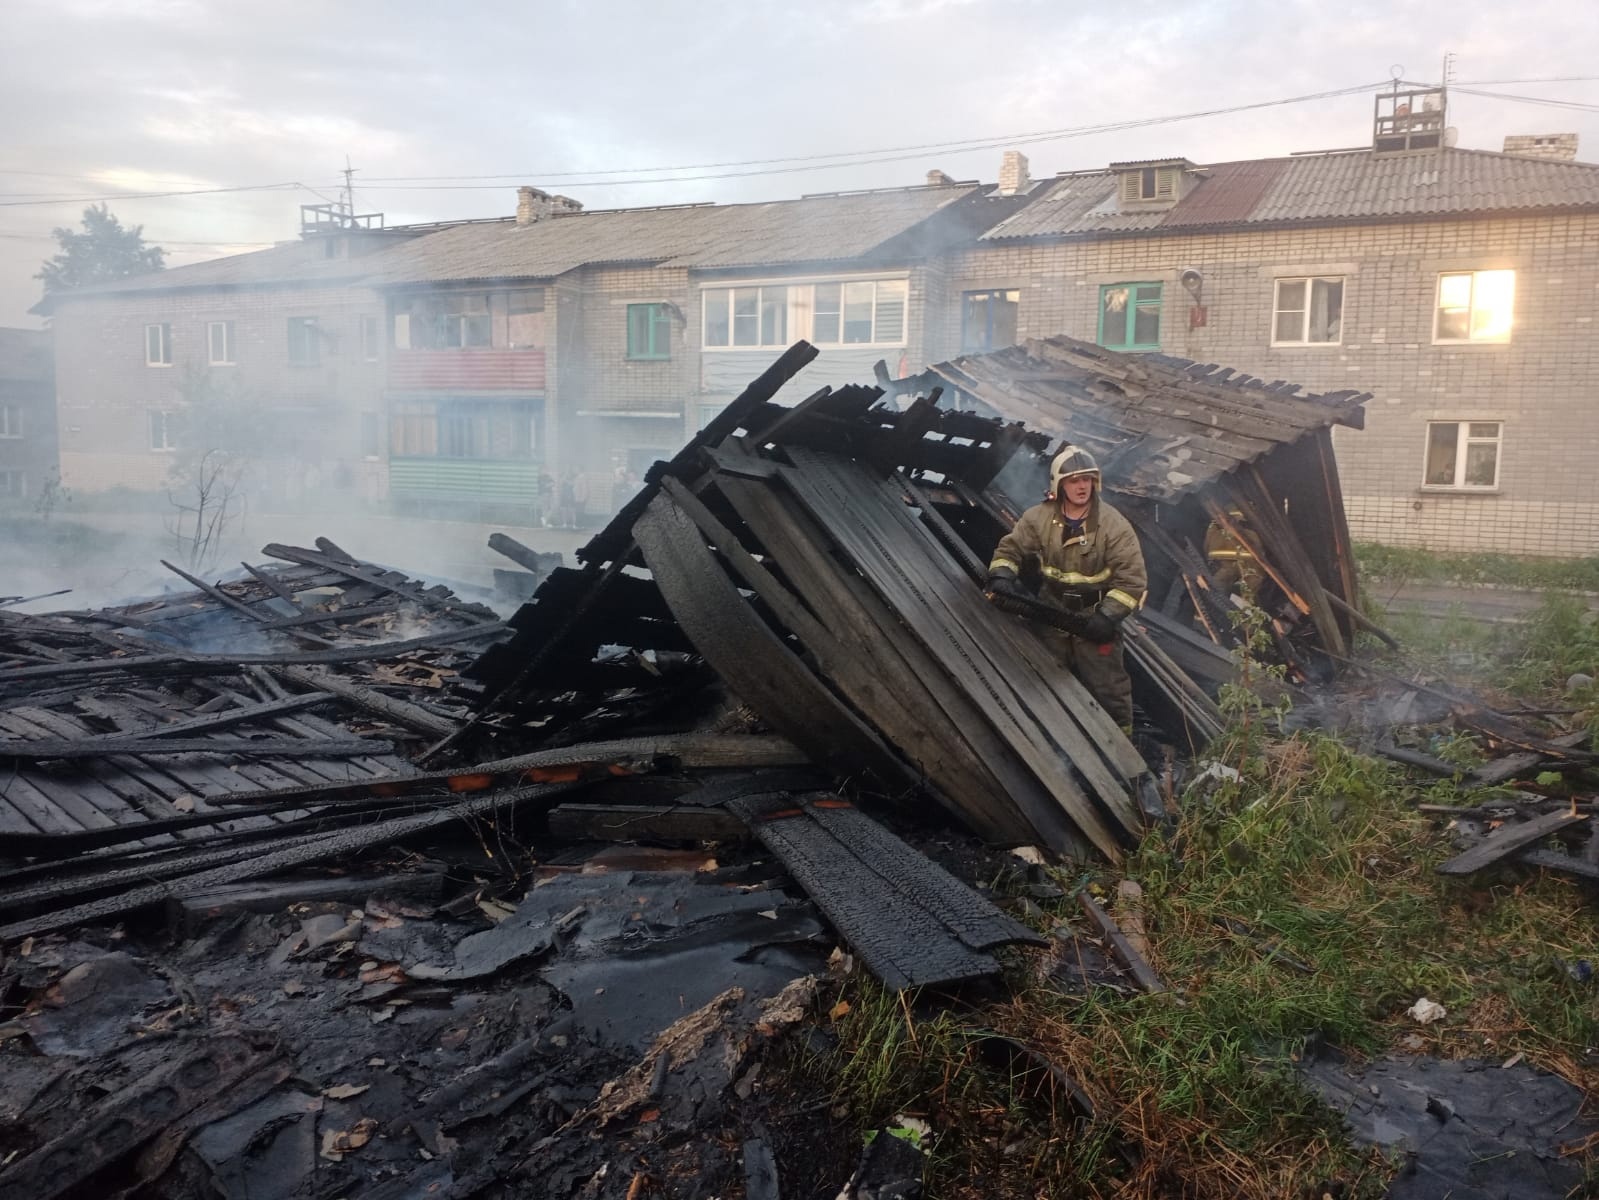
<point>1449,68</point>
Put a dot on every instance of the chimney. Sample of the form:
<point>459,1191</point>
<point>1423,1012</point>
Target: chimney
<point>1560,147</point>
<point>533,205</point>
<point>1013,175</point>
<point>936,178</point>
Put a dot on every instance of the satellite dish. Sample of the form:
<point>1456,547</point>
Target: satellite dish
<point>1451,136</point>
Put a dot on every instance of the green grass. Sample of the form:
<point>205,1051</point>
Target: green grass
<point>1318,849</point>
<point>1401,564</point>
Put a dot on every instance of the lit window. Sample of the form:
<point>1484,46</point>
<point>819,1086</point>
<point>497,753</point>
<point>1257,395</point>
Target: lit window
<point>1463,454</point>
<point>649,331</point>
<point>988,320</point>
<point>1308,312</point>
<point>1475,306</point>
<point>158,345</point>
<point>219,343</point>
<point>1129,316</point>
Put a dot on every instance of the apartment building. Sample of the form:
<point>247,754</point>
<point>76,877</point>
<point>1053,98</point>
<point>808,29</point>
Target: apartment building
<point>476,368</point>
<point>565,345</point>
<point>27,417</point>
<point>289,339</point>
<point>1460,287</point>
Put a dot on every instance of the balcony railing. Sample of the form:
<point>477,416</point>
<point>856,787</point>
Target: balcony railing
<point>510,480</point>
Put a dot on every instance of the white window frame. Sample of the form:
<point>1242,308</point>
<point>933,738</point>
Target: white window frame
<point>312,329</point>
<point>161,418</point>
<point>227,359</point>
<point>1468,340</point>
<point>727,290</point>
<point>164,334</point>
<point>1309,281</point>
<point>10,421</point>
<point>1463,441</point>
<point>905,314</point>
<point>801,318</point>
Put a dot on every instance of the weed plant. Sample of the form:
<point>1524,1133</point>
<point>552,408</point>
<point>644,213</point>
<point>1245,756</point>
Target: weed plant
<point>1319,854</point>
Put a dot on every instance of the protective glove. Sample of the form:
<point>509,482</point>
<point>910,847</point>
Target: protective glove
<point>1005,583</point>
<point>1098,628</point>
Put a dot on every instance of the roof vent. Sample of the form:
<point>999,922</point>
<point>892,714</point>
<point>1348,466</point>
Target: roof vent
<point>1559,147</point>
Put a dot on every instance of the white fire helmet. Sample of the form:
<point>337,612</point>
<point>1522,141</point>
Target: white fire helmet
<point>1072,460</point>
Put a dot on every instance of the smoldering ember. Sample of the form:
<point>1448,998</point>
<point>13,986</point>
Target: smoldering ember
<point>759,853</point>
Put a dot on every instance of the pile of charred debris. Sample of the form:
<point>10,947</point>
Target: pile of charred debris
<point>325,881</point>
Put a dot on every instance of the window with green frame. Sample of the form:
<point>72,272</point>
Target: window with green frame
<point>1129,316</point>
<point>649,331</point>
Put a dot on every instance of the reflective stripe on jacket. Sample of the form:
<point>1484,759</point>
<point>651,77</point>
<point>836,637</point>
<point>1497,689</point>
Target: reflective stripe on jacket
<point>1103,567</point>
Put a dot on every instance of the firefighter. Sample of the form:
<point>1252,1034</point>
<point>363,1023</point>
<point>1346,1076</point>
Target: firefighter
<point>1232,564</point>
<point>1088,563</point>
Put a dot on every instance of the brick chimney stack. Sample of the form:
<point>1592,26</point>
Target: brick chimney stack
<point>533,204</point>
<point>1013,176</point>
<point>1560,147</point>
<point>937,178</point>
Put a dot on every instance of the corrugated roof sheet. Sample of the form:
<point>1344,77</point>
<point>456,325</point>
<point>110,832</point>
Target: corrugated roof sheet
<point>815,229</point>
<point>1159,426</point>
<point>292,262</point>
<point>1343,186</point>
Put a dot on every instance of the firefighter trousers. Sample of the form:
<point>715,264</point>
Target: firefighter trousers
<point>1101,669</point>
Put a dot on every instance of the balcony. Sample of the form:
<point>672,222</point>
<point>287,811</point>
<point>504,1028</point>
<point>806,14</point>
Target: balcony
<point>502,480</point>
<point>466,370</point>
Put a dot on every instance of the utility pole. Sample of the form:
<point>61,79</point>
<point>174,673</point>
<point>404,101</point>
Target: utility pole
<point>349,191</point>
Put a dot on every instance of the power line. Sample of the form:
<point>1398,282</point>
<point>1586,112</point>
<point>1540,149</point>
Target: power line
<point>857,158</point>
<point>257,187</point>
<point>154,241</point>
<point>1548,102</point>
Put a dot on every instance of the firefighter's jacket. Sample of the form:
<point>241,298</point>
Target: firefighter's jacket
<point>1102,567</point>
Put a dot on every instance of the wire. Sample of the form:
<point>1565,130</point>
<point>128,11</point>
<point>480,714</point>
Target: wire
<point>154,241</point>
<point>852,158</point>
<point>257,187</point>
<point>1572,105</point>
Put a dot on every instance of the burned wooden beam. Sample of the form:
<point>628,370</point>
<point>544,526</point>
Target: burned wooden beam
<point>407,716</point>
<point>1507,839</point>
<point>645,823</point>
<point>148,745</point>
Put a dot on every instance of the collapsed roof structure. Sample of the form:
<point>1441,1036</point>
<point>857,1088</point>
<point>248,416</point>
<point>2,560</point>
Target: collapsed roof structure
<point>787,619</point>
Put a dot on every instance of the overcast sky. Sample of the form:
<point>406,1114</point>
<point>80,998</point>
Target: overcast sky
<point>104,97</point>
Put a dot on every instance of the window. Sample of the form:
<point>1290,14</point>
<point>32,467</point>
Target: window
<point>1308,312</point>
<point>463,427</point>
<point>219,343</point>
<point>163,431</point>
<point>465,324</point>
<point>13,486</point>
<point>1463,454</point>
<point>305,342</point>
<point>649,331</point>
<point>371,431</point>
<point>870,312</point>
<point>1149,183</point>
<point>369,338</point>
<point>988,320</point>
<point>524,321</point>
<point>1474,306</point>
<point>158,345</point>
<point>746,316</point>
<point>1129,316</point>
<point>10,420</point>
